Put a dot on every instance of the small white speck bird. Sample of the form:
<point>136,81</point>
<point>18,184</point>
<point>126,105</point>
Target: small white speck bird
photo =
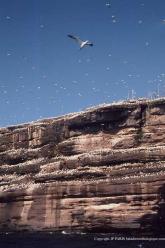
<point>81,43</point>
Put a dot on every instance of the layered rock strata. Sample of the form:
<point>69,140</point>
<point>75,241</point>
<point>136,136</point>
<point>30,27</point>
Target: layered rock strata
<point>98,170</point>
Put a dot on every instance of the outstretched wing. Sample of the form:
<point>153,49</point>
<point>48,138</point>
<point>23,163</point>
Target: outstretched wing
<point>89,43</point>
<point>77,39</point>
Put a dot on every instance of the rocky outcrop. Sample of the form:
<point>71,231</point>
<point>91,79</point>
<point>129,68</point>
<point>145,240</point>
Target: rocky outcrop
<point>98,170</point>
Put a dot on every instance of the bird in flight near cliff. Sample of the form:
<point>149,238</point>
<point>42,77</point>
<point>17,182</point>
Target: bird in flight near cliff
<point>81,43</point>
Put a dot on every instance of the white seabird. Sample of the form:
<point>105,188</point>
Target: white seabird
<point>81,43</point>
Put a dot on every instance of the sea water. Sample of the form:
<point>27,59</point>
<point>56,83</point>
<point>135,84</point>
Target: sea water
<point>81,240</point>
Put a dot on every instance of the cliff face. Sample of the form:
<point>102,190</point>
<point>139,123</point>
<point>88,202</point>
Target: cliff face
<point>99,170</point>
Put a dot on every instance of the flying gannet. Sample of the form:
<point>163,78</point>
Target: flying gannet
<point>81,43</point>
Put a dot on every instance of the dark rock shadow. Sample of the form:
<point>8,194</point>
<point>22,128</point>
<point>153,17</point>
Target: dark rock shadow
<point>155,223</point>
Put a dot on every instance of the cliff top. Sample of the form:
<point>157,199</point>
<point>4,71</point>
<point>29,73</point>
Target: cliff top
<point>115,105</point>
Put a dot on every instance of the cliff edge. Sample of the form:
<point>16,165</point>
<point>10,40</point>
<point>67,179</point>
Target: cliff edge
<point>98,170</point>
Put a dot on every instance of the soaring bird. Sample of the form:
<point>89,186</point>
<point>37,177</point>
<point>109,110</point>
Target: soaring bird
<point>81,43</point>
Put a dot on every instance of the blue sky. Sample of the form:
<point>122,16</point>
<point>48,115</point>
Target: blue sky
<point>44,74</point>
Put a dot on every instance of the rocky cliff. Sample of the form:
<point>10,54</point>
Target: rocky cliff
<point>98,170</point>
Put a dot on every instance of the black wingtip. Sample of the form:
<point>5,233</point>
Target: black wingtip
<point>70,36</point>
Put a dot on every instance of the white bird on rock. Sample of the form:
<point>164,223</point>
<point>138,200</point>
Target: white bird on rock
<point>80,42</point>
